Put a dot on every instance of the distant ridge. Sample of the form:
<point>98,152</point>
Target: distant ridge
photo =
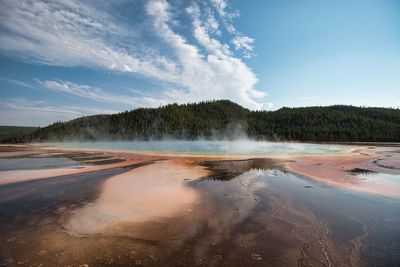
<point>223,119</point>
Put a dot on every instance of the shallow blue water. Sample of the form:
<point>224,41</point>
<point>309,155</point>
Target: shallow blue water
<point>238,147</point>
<point>36,163</point>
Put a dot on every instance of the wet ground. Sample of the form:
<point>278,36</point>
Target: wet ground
<point>36,162</point>
<point>249,212</point>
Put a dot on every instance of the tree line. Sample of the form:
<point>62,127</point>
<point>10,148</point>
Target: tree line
<point>223,119</point>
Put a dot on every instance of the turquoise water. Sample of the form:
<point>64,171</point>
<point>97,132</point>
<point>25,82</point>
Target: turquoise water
<point>239,147</point>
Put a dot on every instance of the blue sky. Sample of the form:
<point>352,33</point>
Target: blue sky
<point>62,59</point>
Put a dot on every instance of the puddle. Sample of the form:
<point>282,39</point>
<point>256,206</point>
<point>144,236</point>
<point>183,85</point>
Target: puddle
<point>36,163</point>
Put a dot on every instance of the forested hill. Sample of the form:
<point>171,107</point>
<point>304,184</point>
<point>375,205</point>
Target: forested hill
<point>7,132</point>
<point>224,119</point>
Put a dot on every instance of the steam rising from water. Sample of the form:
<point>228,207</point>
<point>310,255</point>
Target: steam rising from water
<point>237,147</point>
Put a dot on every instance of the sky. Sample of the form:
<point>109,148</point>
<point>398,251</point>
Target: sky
<point>62,59</point>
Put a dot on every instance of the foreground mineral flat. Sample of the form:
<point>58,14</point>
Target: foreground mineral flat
<point>68,207</point>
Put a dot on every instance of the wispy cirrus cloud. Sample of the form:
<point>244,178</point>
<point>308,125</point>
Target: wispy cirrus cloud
<point>98,94</point>
<point>216,75</point>
<point>239,41</point>
<point>74,33</point>
<point>17,82</point>
<point>244,42</point>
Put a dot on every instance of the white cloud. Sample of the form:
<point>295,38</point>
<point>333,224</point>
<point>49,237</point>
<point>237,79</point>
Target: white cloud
<point>201,33</point>
<point>240,41</point>
<point>244,42</point>
<point>76,33</point>
<point>98,94</point>
<point>69,33</point>
<point>215,75</point>
<point>220,6</point>
<point>211,23</point>
<point>17,82</point>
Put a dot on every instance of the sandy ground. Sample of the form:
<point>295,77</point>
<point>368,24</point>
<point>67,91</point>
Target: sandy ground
<point>339,169</point>
<point>143,194</point>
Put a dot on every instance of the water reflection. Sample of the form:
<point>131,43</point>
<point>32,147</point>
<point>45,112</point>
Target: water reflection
<point>225,170</point>
<point>36,163</point>
<point>312,223</point>
<point>250,213</point>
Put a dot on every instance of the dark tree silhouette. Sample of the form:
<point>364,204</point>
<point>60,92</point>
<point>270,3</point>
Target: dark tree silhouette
<point>225,119</point>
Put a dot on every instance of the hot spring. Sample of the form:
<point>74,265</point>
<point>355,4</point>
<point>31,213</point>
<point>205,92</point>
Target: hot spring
<point>237,147</point>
